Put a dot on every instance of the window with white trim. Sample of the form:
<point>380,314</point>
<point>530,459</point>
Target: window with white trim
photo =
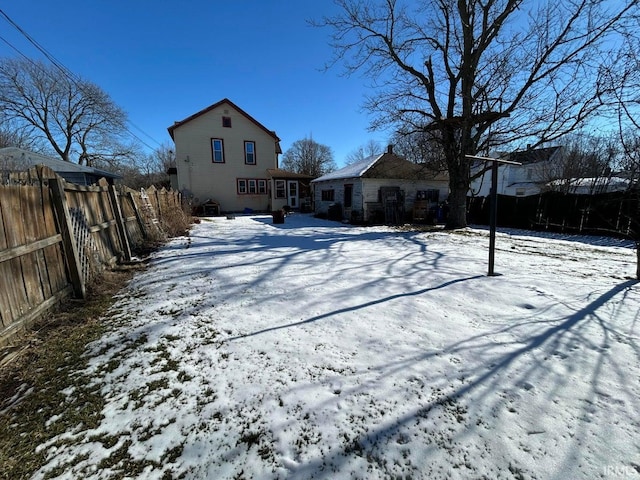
<point>217,150</point>
<point>249,152</point>
<point>281,191</point>
<point>251,186</point>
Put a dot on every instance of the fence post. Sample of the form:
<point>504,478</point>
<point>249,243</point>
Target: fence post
<point>68,241</point>
<point>120,224</point>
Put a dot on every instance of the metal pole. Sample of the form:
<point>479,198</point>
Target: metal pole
<point>493,214</point>
<point>493,207</point>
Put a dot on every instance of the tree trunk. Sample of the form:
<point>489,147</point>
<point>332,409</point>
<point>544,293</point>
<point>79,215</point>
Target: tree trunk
<point>457,216</point>
<point>458,167</point>
<point>638,260</point>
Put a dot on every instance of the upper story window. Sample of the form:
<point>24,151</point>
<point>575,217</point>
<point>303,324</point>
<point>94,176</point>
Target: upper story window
<point>250,152</point>
<point>226,122</point>
<point>217,150</point>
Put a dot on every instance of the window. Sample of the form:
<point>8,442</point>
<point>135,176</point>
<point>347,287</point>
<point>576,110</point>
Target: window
<point>328,195</point>
<point>250,153</point>
<point>226,122</point>
<point>431,195</point>
<point>281,191</point>
<point>251,186</point>
<point>217,150</point>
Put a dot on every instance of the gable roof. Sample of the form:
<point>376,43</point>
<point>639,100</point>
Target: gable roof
<point>24,158</point>
<point>533,155</point>
<point>216,105</point>
<point>386,165</point>
<point>354,170</point>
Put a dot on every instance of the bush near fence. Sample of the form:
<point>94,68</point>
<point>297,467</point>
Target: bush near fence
<point>56,237</point>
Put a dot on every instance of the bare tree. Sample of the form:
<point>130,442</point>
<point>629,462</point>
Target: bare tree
<point>586,163</point>
<point>308,157</point>
<point>369,149</point>
<point>75,117</point>
<point>15,137</point>
<point>152,169</point>
<point>629,161</point>
<point>165,157</point>
<point>478,70</point>
<point>420,147</point>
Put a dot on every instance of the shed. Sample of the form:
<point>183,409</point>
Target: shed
<point>382,188</point>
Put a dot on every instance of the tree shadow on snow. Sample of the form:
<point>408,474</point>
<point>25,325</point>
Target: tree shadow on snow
<point>353,308</point>
<point>527,361</point>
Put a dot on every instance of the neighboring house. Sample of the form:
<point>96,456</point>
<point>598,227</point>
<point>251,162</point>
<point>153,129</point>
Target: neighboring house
<point>529,178</point>
<point>540,171</point>
<point>226,157</point>
<point>382,188</point>
<point>16,159</point>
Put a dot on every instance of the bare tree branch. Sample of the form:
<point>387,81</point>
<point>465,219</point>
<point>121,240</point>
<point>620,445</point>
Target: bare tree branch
<point>485,73</point>
<point>73,116</point>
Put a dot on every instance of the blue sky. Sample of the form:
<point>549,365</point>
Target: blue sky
<point>162,61</point>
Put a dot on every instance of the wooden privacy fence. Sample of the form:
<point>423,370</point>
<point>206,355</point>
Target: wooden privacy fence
<point>55,236</point>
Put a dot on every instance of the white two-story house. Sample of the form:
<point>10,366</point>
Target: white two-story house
<point>537,167</point>
<point>225,156</point>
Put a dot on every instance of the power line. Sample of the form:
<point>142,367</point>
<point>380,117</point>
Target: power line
<point>66,72</point>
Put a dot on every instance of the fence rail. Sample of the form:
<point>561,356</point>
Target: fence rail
<point>55,236</point>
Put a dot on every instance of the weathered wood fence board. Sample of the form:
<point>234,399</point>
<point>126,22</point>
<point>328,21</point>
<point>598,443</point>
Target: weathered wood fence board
<point>134,225</point>
<point>54,236</point>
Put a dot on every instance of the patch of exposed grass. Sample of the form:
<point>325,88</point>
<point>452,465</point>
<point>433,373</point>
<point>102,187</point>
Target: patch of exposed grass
<point>44,393</point>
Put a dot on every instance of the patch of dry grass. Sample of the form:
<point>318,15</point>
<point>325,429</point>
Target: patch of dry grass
<point>43,393</point>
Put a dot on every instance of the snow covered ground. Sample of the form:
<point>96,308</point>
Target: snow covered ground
<point>318,350</point>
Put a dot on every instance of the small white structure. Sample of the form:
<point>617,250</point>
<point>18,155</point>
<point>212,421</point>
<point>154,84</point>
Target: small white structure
<point>529,178</point>
<point>382,188</point>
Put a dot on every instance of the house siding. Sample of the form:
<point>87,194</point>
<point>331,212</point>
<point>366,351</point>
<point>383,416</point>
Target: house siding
<point>366,193</point>
<point>521,180</point>
<point>409,187</point>
<point>322,206</point>
<point>200,179</point>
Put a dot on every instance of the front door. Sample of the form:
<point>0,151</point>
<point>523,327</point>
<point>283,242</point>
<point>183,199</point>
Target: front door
<point>292,193</point>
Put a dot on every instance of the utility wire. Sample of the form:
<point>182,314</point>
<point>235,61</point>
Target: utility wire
<point>65,71</point>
